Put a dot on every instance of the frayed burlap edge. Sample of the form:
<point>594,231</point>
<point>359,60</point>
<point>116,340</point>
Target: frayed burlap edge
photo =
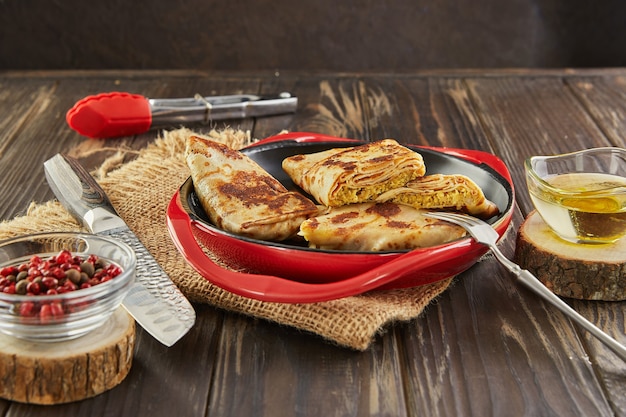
<point>141,190</point>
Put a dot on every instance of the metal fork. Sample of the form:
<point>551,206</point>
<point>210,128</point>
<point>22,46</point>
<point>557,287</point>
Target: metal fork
<point>483,233</point>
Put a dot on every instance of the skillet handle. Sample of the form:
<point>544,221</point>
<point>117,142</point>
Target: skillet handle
<point>301,137</point>
<point>276,289</point>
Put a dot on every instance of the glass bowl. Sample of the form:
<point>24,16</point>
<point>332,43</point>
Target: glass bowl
<point>71,314</point>
<point>581,195</point>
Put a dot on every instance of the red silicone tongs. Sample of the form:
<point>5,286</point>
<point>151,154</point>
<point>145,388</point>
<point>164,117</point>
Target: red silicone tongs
<point>117,114</point>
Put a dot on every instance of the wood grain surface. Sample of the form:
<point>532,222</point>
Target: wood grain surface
<point>486,347</point>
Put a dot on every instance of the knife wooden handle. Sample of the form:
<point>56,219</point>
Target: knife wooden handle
<point>72,183</point>
<point>92,194</point>
<point>80,194</point>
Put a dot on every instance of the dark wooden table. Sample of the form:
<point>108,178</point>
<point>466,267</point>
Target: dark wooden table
<point>487,347</point>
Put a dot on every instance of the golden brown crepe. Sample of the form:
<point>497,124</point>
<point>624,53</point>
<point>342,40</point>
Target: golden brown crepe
<point>354,175</point>
<point>376,227</point>
<point>447,192</point>
<point>240,197</point>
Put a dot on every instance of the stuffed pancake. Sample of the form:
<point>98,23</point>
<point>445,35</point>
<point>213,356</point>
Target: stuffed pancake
<point>445,192</point>
<point>241,197</point>
<point>376,227</point>
<point>341,176</point>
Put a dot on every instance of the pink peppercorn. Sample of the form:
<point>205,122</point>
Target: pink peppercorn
<point>58,274</point>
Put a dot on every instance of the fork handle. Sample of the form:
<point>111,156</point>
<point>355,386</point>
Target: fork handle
<point>534,284</point>
<point>530,281</point>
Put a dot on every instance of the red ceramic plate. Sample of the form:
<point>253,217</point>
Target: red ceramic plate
<point>291,272</point>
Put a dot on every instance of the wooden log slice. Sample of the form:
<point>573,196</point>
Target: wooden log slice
<point>582,271</point>
<point>61,372</point>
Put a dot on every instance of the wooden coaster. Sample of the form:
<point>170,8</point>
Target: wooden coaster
<point>61,372</point>
<point>583,271</point>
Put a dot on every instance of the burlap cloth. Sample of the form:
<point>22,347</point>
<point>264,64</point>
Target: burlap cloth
<point>141,189</point>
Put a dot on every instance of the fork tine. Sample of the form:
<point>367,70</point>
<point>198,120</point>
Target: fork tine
<point>478,229</point>
<point>457,218</point>
<point>453,217</point>
<point>464,219</point>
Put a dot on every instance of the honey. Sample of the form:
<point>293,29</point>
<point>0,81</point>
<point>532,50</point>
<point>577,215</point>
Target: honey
<point>583,207</point>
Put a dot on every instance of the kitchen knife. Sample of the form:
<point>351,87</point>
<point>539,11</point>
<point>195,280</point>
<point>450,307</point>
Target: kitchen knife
<point>154,301</point>
<point>115,114</point>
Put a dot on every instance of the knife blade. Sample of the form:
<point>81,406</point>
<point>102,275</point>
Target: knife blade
<point>154,301</point>
<point>114,114</point>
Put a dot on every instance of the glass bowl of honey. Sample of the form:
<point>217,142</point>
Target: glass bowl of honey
<point>581,195</point>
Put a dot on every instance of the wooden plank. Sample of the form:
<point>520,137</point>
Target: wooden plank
<point>330,105</point>
<point>425,111</point>
<point>605,99</point>
<point>159,380</point>
<point>532,116</point>
<point>489,347</point>
<point>271,86</point>
<point>610,368</point>
<point>25,103</point>
<point>266,370</point>
<point>513,110</point>
<point>481,351</point>
<point>21,100</point>
<point>471,351</point>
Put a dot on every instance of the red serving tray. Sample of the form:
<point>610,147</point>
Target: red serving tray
<point>285,273</point>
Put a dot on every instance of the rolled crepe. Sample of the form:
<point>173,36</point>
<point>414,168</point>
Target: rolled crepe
<point>241,197</point>
<point>443,192</point>
<point>376,227</point>
<point>354,175</point>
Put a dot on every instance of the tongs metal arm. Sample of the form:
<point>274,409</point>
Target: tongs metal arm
<point>169,111</point>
